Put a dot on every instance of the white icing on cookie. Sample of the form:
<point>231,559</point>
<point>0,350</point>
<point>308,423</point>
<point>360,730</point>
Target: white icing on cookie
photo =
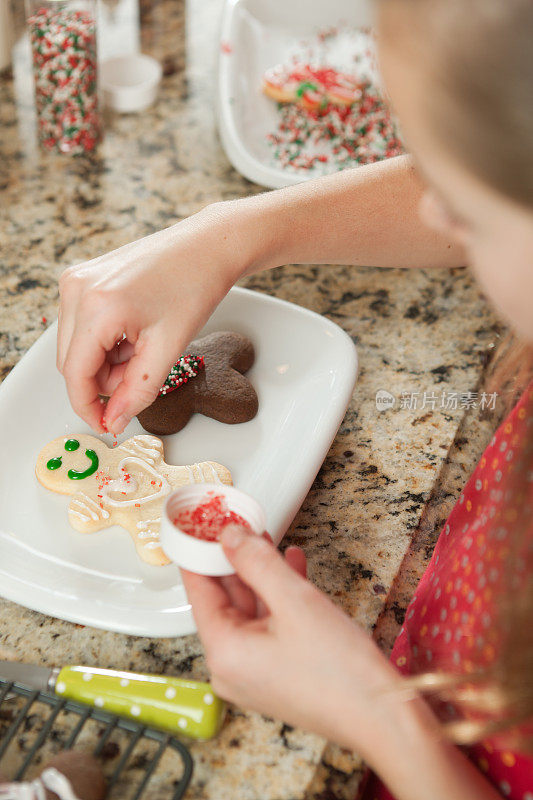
<point>79,515</point>
<point>88,505</point>
<point>120,485</point>
<point>190,473</point>
<point>147,532</point>
<point>135,452</point>
<point>212,470</point>
<point>85,507</point>
<point>198,473</point>
<point>139,448</point>
<point>145,523</point>
<point>149,451</point>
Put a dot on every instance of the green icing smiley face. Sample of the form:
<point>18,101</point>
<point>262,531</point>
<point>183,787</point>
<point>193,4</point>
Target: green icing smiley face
<point>75,474</point>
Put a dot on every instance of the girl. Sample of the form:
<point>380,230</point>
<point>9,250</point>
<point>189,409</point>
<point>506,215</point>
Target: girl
<point>460,73</point>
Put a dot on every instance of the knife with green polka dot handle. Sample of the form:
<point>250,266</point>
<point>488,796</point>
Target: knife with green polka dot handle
<point>180,706</point>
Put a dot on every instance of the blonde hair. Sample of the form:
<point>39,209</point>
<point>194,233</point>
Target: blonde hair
<point>478,59</point>
<point>478,62</point>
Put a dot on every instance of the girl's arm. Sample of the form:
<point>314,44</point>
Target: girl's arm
<point>160,290</point>
<point>277,645</point>
<point>364,217</point>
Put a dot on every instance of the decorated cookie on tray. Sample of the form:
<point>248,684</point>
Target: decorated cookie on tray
<point>311,87</point>
<point>126,485</point>
<point>209,380</point>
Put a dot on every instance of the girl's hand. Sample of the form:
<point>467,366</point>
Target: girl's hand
<point>126,316</point>
<point>275,644</point>
<point>159,291</point>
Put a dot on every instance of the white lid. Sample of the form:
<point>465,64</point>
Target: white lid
<point>197,555</point>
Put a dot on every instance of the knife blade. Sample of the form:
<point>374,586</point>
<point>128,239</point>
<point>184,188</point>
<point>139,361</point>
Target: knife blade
<point>31,675</point>
<point>189,708</point>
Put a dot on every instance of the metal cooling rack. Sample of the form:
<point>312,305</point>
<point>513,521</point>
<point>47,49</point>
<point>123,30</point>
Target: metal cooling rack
<point>111,722</point>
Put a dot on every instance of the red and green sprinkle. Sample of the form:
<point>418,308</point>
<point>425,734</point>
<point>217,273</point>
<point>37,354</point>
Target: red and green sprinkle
<point>338,136</point>
<point>184,369</point>
<point>65,68</point>
<point>334,136</point>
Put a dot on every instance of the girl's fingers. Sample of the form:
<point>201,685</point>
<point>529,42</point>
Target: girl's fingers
<point>200,587</point>
<point>84,359</point>
<point>295,557</point>
<point>297,561</point>
<point>240,595</point>
<point>111,373</point>
<point>261,567</point>
<point>212,607</point>
<point>143,376</point>
<point>109,377</point>
<point>121,352</point>
<point>65,329</point>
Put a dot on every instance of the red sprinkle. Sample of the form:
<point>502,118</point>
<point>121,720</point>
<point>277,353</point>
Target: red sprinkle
<point>208,520</point>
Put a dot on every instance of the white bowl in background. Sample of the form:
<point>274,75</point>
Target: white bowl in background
<point>256,35</point>
<point>130,83</point>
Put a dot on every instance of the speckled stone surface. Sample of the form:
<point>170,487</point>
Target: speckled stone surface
<point>423,331</point>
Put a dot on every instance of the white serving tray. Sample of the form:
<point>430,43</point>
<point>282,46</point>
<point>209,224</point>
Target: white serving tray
<point>256,35</point>
<point>304,374</point>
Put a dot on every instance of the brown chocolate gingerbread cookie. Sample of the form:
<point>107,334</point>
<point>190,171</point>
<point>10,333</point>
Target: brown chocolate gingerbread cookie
<point>209,382</point>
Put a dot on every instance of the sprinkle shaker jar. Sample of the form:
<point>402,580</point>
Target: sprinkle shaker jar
<point>63,43</point>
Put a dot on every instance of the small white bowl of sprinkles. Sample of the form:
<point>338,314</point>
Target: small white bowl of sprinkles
<point>130,83</point>
<point>194,517</point>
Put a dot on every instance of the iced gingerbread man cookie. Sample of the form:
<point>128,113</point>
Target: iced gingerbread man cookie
<point>125,486</point>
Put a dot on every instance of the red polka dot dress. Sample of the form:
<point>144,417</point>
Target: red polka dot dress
<point>451,623</point>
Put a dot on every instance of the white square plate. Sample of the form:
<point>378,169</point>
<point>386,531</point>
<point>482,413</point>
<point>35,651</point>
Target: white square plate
<point>256,35</point>
<point>304,375</point>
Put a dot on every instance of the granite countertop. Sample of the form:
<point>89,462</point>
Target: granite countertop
<point>390,476</point>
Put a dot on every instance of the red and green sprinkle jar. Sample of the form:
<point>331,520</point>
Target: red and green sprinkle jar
<point>63,43</point>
